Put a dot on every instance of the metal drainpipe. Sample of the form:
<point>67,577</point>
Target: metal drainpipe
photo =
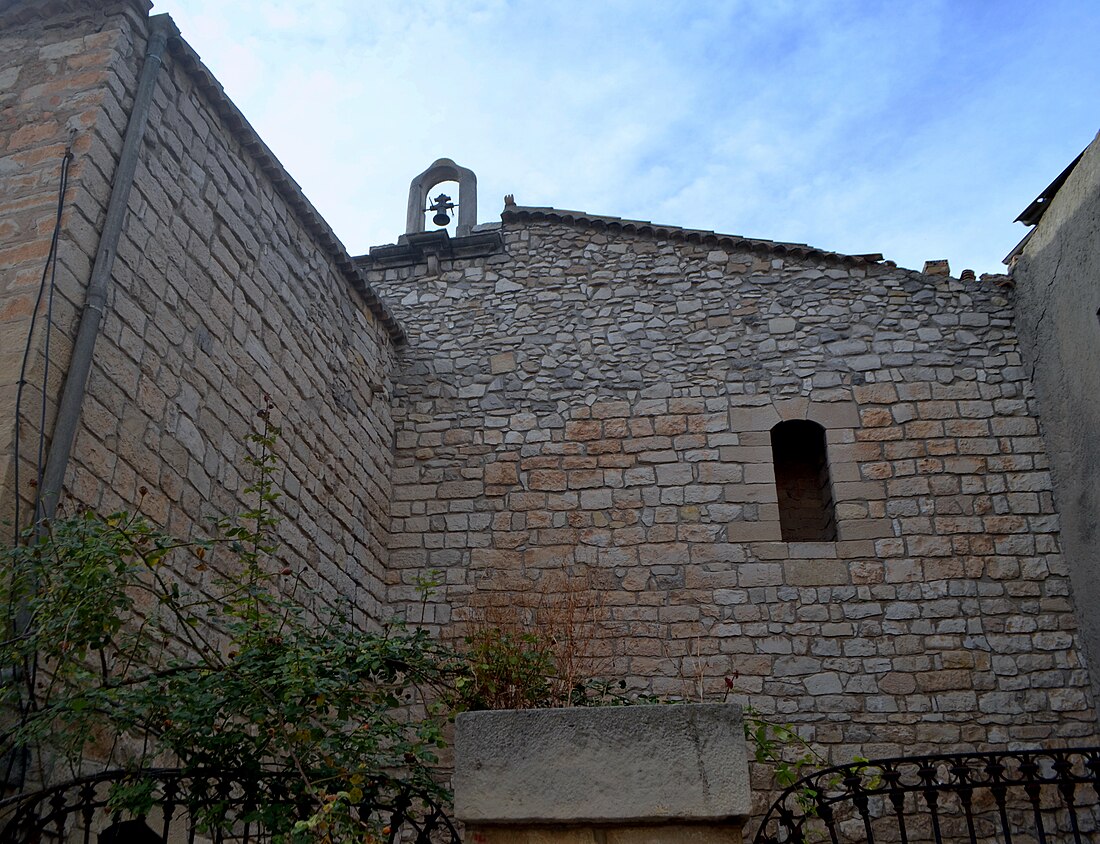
<point>72,395</point>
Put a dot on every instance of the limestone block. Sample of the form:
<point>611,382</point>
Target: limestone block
<point>651,834</point>
<point>815,572</point>
<point>616,765</point>
<point>760,473</point>
<point>501,473</point>
<point>504,362</point>
<point>837,414</point>
<point>781,325</point>
<point>789,409</point>
<point>864,529</point>
<point>760,531</point>
<point>756,418</point>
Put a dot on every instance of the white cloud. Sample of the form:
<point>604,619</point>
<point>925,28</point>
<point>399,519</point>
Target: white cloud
<point>852,126</point>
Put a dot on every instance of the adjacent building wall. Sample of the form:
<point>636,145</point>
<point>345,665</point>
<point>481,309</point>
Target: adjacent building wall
<point>1057,279</point>
<point>227,288</point>
<point>592,405</point>
<point>67,74</point>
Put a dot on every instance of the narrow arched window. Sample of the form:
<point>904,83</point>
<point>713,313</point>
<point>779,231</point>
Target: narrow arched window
<point>802,482</point>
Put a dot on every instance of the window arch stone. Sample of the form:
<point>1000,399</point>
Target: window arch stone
<point>859,502</point>
<point>802,482</point>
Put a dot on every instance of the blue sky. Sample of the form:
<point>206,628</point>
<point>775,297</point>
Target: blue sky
<point>919,130</point>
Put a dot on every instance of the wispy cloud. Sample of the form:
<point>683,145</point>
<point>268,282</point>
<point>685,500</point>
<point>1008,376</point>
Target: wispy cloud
<point>918,130</point>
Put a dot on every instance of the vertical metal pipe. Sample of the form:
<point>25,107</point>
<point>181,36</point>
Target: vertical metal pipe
<point>72,395</point>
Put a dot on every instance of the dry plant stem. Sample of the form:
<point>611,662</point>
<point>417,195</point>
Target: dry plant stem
<point>692,687</point>
<point>699,666</point>
<point>558,623</point>
<point>572,620</point>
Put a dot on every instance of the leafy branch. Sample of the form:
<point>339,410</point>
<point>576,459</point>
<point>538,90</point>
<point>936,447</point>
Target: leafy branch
<point>132,654</point>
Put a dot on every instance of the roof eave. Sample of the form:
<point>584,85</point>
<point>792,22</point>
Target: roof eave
<point>1034,212</point>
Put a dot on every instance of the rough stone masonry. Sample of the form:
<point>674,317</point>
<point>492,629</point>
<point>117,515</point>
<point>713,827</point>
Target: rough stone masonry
<point>592,399</point>
<point>228,286</point>
<point>580,403</point>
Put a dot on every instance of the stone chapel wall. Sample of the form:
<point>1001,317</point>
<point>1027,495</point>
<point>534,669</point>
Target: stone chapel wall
<point>598,402</point>
<point>588,402</point>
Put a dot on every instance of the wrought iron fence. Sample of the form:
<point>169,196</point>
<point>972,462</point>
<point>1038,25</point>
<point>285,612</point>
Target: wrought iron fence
<point>1040,796</point>
<point>173,805</point>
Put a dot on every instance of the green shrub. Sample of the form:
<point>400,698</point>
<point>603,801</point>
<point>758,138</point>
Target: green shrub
<point>120,662</point>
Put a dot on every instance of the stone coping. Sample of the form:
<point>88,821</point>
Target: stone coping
<point>602,765</point>
<point>514,213</point>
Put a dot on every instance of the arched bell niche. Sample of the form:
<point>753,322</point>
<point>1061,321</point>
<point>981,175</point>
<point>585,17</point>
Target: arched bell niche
<point>443,170</point>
